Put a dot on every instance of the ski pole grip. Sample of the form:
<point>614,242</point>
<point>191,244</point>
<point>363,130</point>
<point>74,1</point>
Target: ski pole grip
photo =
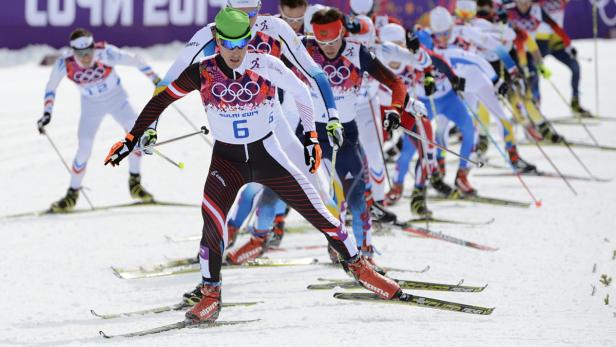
<point>205,130</point>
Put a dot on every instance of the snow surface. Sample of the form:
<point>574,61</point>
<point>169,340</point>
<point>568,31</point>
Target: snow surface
<point>54,269</point>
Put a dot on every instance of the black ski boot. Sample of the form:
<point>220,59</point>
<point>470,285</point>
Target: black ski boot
<point>67,203</point>
<point>136,189</point>
<point>191,298</point>
<point>549,133</point>
<point>518,163</point>
<point>381,215</point>
<point>579,110</point>
<point>418,203</point>
<point>440,186</point>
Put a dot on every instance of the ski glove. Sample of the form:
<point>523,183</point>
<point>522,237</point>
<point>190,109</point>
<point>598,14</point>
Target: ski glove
<point>412,41</point>
<point>312,151</point>
<point>501,87</point>
<point>429,84</point>
<point>544,71</point>
<point>335,132</point>
<point>120,150</point>
<point>352,25</point>
<point>147,141</point>
<point>43,121</point>
<point>458,83</point>
<point>572,52</point>
<point>392,120</point>
<point>417,108</point>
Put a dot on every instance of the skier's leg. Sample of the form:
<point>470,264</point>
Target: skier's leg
<point>90,120</point>
<point>371,143</point>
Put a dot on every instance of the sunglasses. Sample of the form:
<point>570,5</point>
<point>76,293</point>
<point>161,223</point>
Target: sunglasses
<point>329,43</point>
<point>233,44</point>
<point>253,12</point>
<point>83,52</point>
<point>292,19</point>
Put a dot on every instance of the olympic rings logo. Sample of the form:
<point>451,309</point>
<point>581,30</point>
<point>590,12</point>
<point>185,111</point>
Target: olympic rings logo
<point>236,91</point>
<point>89,75</point>
<point>338,75</point>
<point>264,47</point>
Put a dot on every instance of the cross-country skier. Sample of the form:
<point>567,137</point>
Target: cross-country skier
<point>90,65</point>
<point>238,90</point>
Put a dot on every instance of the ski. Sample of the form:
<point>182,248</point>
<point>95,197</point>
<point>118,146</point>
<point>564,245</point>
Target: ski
<point>480,199</point>
<point>577,120</point>
<point>177,326</point>
<point>404,284</point>
<point>194,267</point>
<point>177,307</point>
<point>98,208</point>
<point>415,300</point>
<point>547,175</point>
<point>577,144</point>
<point>443,237</point>
<point>385,268</point>
<point>290,230</point>
<point>437,220</point>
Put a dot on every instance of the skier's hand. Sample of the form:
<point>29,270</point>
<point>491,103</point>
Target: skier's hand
<point>147,141</point>
<point>429,84</point>
<point>458,83</point>
<point>417,108</point>
<point>544,71</point>
<point>43,121</point>
<point>501,87</point>
<point>351,24</point>
<point>335,132</point>
<point>312,150</point>
<point>412,41</point>
<point>392,120</point>
<point>572,52</point>
<point>120,150</point>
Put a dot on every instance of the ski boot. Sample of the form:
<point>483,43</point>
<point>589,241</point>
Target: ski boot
<point>549,134</point>
<point>136,189</point>
<point>367,252</point>
<point>380,214</point>
<point>441,166</point>
<point>394,194</point>
<point>579,110</point>
<point>208,308</point>
<point>482,145</point>
<point>439,185</point>
<point>518,163</point>
<point>277,231</point>
<point>462,184</point>
<point>192,297</point>
<point>251,250</point>
<point>418,203</point>
<point>67,203</point>
<point>363,273</point>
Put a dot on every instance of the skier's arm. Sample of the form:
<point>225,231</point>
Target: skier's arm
<point>296,53</point>
<point>489,43</point>
<point>188,81</point>
<point>202,41</point>
<point>558,30</point>
<point>117,56</point>
<point>369,63</point>
<point>57,74</point>
<point>282,76</point>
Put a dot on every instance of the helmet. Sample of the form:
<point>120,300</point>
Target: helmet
<point>243,3</point>
<point>310,11</point>
<point>466,9</point>
<point>363,7</point>
<point>440,20</point>
<point>368,38</point>
<point>392,32</point>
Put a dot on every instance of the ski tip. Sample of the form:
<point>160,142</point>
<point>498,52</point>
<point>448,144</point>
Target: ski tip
<point>102,333</point>
<point>94,313</point>
<point>538,203</point>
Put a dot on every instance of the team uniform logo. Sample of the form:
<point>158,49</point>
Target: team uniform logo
<point>343,75</point>
<point>264,43</point>
<point>81,76</point>
<point>236,91</point>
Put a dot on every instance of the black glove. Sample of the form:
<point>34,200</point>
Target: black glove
<point>392,120</point>
<point>120,150</point>
<point>572,52</point>
<point>352,25</point>
<point>502,15</point>
<point>501,87</point>
<point>43,121</point>
<point>458,83</point>
<point>312,151</point>
<point>429,84</point>
<point>412,41</point>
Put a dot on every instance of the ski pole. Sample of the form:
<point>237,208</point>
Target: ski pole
<point>500,150</point>
<point>508,105</point>
<point>378,136</point>
<point>53,145</point>
<point>421,138</point>
<point>562,97</point>
<point>332,173</point>
<point>180,165</point>
<point>192,125</point>
<point>595,34</point>
<point>204,130</point>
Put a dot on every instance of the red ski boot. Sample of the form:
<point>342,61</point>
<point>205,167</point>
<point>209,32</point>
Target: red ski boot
<point>462,183</point>
<point>208,308</point>
<point>384,287</point>
<point>249,251</point>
